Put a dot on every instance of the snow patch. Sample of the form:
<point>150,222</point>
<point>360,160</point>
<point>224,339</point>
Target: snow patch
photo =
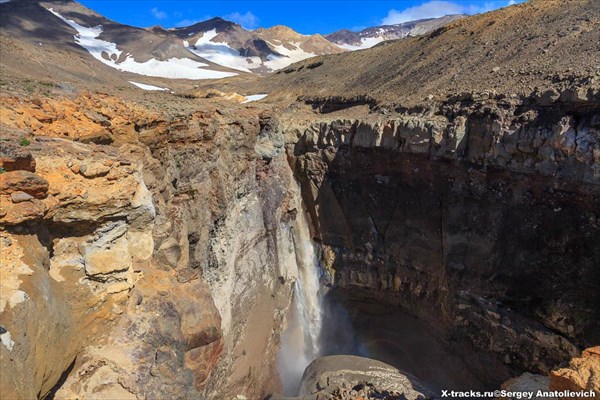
<point>148,87</point>
<point>5,337</point>
<point>366,44</point>
<point>109,54</point>
<point>254,97</point>
<point>223,54</point>
<point>288,56</point>
<point>220,52</point>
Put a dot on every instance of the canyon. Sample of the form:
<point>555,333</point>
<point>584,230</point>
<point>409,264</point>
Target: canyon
<point>333,239</point>
<point>414,216</point>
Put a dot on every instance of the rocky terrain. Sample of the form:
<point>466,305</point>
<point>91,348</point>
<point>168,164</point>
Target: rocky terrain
<point>150,239</point>
<point>511,51</point>
<point>123,255</point>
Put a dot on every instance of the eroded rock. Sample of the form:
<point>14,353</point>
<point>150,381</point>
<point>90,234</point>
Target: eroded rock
<point>23,181</point>
<point>582,374</point>
<point>329,375</point>
<point>14,157</point>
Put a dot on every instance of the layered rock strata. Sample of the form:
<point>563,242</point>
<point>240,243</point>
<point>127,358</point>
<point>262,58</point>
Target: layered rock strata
<point>479,215</point>
<point>160,264</point>
<point>152,254</point>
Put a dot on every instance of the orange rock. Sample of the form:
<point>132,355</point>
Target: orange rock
<point>90,117</point>
<point>23,181</point>
<point>582,374</point>
<point>16,213</point>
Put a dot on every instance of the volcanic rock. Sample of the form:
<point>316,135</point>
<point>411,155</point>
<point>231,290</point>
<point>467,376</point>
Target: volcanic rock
<point>329,374</point>
<point>14,157</point>
<point>23,181</point>
<point>583,373</point>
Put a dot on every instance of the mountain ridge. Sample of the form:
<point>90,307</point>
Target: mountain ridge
<point>368,37</point>
<point>514,50</point>
<point>211,49</point>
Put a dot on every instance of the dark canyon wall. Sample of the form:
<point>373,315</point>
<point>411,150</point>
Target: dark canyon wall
<point>479,217</point>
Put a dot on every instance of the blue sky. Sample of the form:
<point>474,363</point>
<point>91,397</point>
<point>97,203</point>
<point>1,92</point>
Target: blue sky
<point>308,16</point>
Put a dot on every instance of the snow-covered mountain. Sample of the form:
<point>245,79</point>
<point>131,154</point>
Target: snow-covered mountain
<point>212,49</point>
<point>260,51</point>
<point>369,37</point>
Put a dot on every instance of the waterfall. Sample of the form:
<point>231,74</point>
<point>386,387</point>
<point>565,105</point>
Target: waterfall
<point>300,341</point>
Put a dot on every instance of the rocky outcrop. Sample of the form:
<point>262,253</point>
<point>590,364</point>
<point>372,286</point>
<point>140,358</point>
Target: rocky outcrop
<point>345,377</point>
<point>582,374</point>
<point>72,251</point>
<point>14,158</point>
<point>23,182</point>
<point>89,118</point>
<point>557,139</point>
<point>161,264</point>
<point>462,214</point>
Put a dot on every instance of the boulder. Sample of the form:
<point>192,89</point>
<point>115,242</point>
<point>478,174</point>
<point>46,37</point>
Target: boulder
<point>14,157</point>
<point>19,197</point>
<point>16,212</point>
<point>583,373</point>
<point>332,373</point>
<point>23,181</point>
<point>528,382</point>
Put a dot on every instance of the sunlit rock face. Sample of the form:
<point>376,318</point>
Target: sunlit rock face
<point>160,266</point>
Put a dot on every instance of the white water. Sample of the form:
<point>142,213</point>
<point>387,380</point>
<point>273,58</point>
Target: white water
<point>300,342</point>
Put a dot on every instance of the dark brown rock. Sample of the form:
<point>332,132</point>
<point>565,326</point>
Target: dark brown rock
<point>23,181</point>
<point>14,157</point>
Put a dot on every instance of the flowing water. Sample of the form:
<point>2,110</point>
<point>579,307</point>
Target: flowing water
<point>300,342</point>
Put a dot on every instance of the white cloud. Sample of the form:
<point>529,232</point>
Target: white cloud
<point>187,22</point>
<point>432,9</point>
<point>158,14</point>
<point>247,20</point>
<point>439,8</point>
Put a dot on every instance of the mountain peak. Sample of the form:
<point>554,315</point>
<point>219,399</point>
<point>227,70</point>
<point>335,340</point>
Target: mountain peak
<point>217,23</point>
<point>279,31</point>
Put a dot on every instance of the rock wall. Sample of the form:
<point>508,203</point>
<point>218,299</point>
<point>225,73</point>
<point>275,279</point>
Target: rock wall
<point>76,235</point>
<point>147,255</point>
<point>157,262</point>
<point>479,215</point>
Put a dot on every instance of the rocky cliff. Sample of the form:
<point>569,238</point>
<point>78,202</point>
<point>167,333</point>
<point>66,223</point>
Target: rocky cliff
<point>147,253</point>
<point>142,254</point>
<point>479,215</point>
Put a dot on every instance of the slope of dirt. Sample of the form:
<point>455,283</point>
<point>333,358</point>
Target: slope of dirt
<point>541,43</point>
<point>37,46</point>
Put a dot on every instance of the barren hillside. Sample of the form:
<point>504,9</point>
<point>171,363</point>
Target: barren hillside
<point>540,43</point>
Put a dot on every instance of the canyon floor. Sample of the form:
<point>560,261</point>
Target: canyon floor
<point>441,193</point>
